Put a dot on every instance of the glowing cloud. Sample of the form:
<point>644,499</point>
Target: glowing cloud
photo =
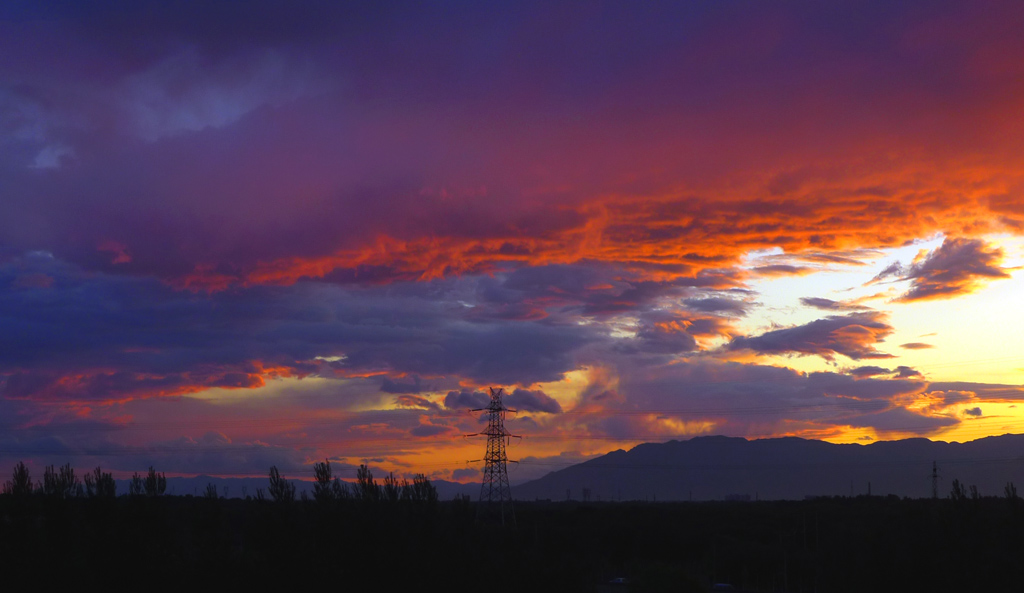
<point>852,335</point>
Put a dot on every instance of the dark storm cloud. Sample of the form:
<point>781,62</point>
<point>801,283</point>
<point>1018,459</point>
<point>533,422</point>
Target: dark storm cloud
<point>105,337</point>
<point>853,335</point>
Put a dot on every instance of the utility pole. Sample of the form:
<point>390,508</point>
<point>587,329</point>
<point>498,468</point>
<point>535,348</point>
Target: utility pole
<point>494,489</point>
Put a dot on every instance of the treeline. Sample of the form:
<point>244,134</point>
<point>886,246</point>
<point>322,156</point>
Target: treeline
<point>327,487</point>
<point>64,483</point>
<point>837,544</point>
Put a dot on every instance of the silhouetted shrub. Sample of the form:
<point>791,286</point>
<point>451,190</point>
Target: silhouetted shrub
<point>323,490</point>
<point>281,490</point>
<point>423,490</point>
<point>21,483</point>
<point>958,492</point>
<point>340,489</point>
<point>155,484</point>
<point>391,490</point>
<point>61,483</point>
<point>366,488</point>
<point>100,485</point>
<point>136,486</point>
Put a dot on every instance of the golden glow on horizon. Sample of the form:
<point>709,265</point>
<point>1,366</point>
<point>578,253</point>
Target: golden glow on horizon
<point>945,349</point>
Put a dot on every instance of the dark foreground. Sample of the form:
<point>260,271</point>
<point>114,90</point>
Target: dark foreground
<point>829,545</point>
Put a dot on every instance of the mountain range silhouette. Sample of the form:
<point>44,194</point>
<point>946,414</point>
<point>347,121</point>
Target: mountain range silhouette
<point>719,467</point>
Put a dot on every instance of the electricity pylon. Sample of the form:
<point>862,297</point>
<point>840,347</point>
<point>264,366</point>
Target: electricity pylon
<point>495,490</point>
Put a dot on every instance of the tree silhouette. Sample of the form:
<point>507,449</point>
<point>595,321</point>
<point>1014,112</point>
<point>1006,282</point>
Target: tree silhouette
<point>211,492</point>
<point>322,485</point>
<point>136,487</point>
<point>61,483</point>
<point>422,490</point>
<point>366,488</point>
<point>326,487</point>
<point>281,490</point>
<point>155,484</point>
<point>99,484</point>
<point>958,492</point>
<point>391,490</point>
<point>1011,492</point>
<point>340,489</point>
<point>21,482</point>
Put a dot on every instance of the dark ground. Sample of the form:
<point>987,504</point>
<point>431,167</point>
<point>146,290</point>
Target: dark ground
<point>829,545</point>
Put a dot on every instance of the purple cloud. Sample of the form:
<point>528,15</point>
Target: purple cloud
<point>526,400</point>
<point>869,371</point>
<point>958,266</point>
<point>415,386</point>
<point>463,399</point>
<point>852,335</point>
<point>718,305</point>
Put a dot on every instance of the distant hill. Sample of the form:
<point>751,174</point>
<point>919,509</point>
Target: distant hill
<point>242,487</point>
<point>716,467</point>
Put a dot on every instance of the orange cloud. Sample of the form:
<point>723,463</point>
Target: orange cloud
<point>666,236</point>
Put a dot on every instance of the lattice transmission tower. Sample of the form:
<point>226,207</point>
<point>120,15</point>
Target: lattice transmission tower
<point>495,492</point>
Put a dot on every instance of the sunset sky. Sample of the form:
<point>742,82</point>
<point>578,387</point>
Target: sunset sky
<point>243,234</point>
